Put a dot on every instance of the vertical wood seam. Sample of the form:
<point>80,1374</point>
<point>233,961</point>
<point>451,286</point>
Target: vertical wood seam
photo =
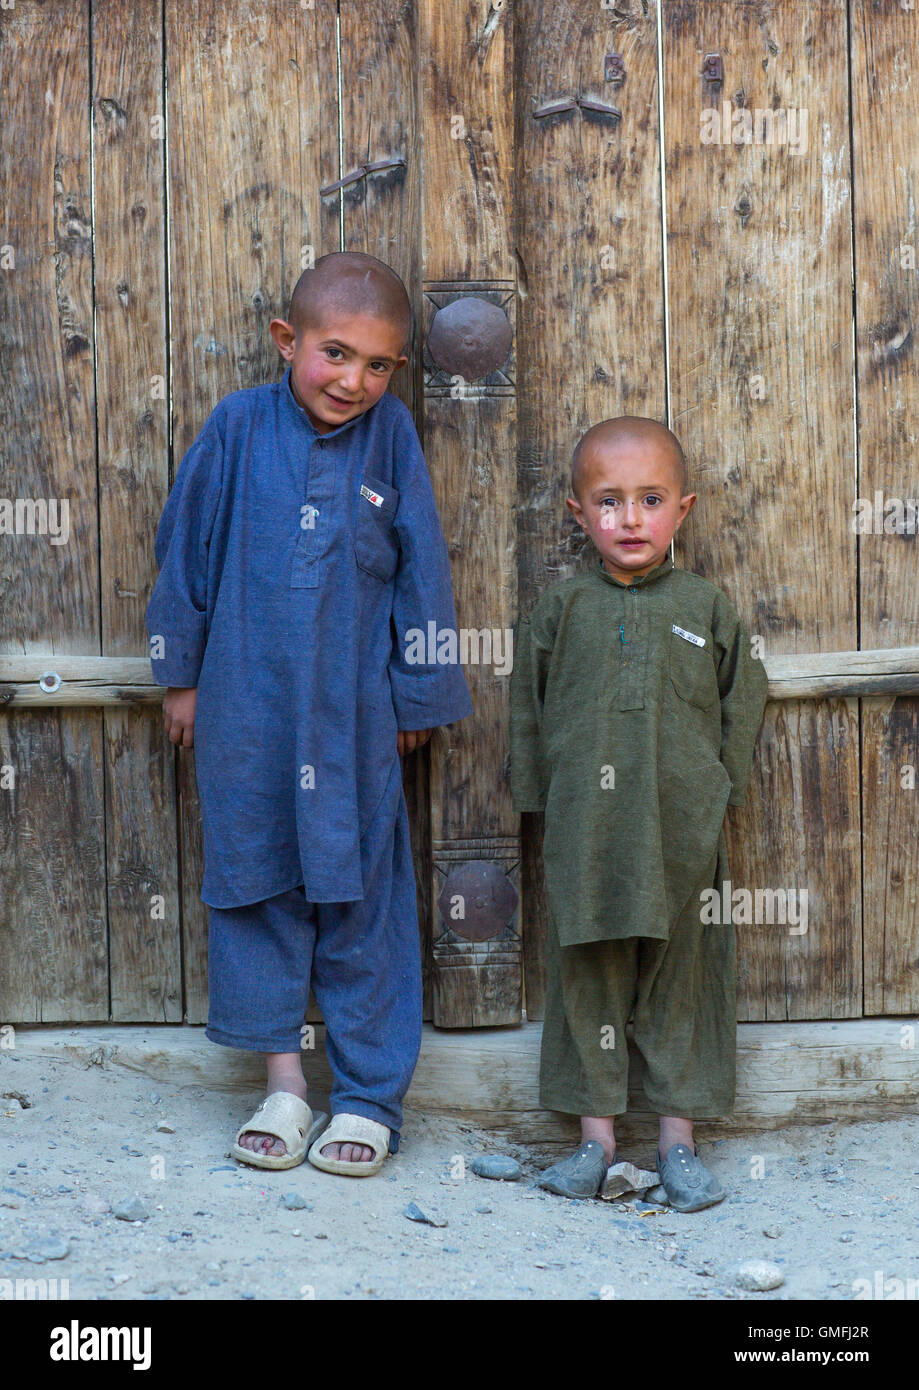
<point>856,418</point>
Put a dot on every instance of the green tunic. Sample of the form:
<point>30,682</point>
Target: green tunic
<point>634,713</point>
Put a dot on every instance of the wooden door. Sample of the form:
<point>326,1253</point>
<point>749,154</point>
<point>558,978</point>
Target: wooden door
<point>542,166</point>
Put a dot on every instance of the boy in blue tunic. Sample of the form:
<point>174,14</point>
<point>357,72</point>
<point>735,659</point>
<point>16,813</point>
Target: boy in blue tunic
<point>298,549</point>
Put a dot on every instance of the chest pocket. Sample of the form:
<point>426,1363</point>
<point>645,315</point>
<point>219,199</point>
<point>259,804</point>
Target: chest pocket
<point>692,670</point>
<point>376,547</point>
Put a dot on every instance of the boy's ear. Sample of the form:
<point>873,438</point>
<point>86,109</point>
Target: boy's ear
<point>574,506</point>
<point>284,337</point>
<point>686,505</point>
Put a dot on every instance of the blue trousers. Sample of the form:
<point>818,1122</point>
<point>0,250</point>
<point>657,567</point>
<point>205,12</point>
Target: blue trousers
<point>363,960</point>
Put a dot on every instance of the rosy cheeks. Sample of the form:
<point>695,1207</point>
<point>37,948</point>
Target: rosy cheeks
<point>318,374</point>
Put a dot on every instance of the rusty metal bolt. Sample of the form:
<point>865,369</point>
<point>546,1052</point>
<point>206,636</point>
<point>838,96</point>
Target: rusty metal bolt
<point>477,900</point>
<point>470,338</point>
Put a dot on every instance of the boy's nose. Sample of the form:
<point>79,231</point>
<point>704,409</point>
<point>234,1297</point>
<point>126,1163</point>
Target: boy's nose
<point>350,379</point>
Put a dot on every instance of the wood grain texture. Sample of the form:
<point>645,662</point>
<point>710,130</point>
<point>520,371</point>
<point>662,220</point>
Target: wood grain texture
<point>49,591</point>
<point>885,118</point>
<point>252,136</point>
<point>591,301</point>
<point>132,417</point>
<point>760,269</point>
<point>195,918</point>
<point>760,273</point>
<point>467,96</point>
<point>145,957</point>
<point>53,935</point>
<point>53,939</point>
<point>890,761</point>
<point>802,835</point>
<point>381,213</point>
<point>470,442</point>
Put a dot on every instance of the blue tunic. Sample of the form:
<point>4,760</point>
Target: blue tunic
<point>293,567</point>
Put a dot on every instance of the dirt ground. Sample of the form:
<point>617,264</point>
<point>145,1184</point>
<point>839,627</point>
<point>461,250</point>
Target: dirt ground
<point>829,1205</point>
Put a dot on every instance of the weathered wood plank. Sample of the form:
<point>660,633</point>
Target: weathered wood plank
<point>252,136</point>
<point>470,440</point>
<point>195,915</point>
<point>52,872</point>
<point>885,119</point>
<point>53,938</point>
<point>381,213</point>
<point>801,837</point>
<point>129,243</point>
<point>890,808</point>
<point>760,269</point>
<point>591,308</point>
<point>145,961</point>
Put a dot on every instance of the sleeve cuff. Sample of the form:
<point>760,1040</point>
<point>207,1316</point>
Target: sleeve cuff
<point>181,677</point>
<point>429,714</point>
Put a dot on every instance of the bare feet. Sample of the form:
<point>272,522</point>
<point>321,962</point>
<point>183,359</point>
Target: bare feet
<point>284,1074</point>
<point>348,1153</point>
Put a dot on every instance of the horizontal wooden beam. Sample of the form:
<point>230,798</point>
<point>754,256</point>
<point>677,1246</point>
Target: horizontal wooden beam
<point>128,680</point>
<point>787,1073</point>
<point>837,675</point>
<point>84,680</point>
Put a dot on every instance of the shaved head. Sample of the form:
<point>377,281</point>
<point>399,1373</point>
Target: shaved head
<point>345,284</point>
<point>619,435</point>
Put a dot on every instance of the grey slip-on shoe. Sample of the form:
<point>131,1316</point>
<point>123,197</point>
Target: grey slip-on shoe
<point>581,1174</point>
<point>686,1180</point>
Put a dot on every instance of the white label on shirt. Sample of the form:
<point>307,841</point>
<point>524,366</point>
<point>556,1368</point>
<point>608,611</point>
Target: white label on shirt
<point>371,496</point>
<point>689,636</point>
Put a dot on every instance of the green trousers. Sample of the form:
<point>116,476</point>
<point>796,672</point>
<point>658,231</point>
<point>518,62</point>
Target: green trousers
<point>682,998</point>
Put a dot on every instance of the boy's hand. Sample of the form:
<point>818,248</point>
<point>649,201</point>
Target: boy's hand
<point>179,714</point>
<point>407,740</point>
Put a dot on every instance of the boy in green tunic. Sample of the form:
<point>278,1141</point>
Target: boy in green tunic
<point>635,706</point>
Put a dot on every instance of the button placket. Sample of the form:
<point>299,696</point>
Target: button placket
<point>632,635</point>
<point>313,538</point>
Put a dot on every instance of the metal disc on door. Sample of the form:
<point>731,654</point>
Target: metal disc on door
<point>477,900</point>
<point>470,338</point>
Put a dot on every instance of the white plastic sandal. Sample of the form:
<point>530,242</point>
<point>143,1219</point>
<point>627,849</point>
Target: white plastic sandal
<point>289,1119</point>
<point>352,1129</point>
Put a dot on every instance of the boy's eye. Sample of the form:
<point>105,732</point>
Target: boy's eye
<point>334,349</point>
<point>609,502</point>
<point>652,500</point>
<point>379,366</point>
